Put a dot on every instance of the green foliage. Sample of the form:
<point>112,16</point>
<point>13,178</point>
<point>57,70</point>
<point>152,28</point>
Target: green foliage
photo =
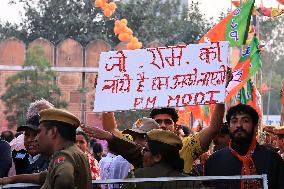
<point>127,118</point>
<point>167,21</point>
<point>36,81</point>
<point>272,36</point>
<point>11,30</point>
<point>55,20</point>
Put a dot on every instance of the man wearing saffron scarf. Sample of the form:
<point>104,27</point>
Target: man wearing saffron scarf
<point>244,156</point>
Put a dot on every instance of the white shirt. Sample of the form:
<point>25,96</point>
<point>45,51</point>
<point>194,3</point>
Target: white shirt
<point>114,167</point>
<point>106,167</point>
<point>121,167</point>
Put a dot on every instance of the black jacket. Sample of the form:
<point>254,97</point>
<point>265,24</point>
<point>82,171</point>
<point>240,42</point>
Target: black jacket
<point>5,158</point>
<point>224,163</point>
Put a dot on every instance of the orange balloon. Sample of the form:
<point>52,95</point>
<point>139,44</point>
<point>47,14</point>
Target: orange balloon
<point>112,6</point>
<point>123,28</point>
<point>136,45</point>
<point>104,5</point>
<point>117,23</point>
<point>124,21</point>
<point>129,31</point>
<point>134,40</point>
<point>116,30</point>
<point>130,46</point>
<point>98,3</point>
<point>124,37</point>
<point>107,12</point>
<point>121,24</point>
<point>120,30</point>
<point>140,45</point>
<point>131,36</point>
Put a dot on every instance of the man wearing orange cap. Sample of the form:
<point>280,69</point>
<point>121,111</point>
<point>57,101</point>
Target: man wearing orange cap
<point>68,167</point>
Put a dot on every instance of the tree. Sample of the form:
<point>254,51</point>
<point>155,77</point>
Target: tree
<point>11,30</point>
<point>166,21</point>
<point>36,81</point>
<point>272,36</point>
<point>56,20</point>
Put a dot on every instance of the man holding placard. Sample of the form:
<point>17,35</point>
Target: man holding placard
<point>163,77</point>
<point>193,145</point>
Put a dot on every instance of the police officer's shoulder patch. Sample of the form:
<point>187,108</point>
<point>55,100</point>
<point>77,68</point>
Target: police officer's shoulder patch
<point>59,160</point>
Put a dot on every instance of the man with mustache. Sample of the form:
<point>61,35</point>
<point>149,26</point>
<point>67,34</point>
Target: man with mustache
<point>27,161</point>
<point>20,145</point>
<point>244,156</point>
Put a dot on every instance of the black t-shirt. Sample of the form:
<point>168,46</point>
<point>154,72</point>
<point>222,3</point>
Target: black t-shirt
<point>224,163</point>
<point>21,160</point>
<point>41,164</point>
<point>23,166</point>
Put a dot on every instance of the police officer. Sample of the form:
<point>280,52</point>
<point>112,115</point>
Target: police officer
<point>160,159</point>
<point>68,167</point>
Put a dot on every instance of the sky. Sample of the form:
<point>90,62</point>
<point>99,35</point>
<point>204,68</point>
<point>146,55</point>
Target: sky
<point>211,8</point>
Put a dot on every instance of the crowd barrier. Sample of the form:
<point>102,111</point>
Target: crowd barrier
<point>201,182</point>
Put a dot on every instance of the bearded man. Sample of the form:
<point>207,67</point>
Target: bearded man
<point>244,156</point>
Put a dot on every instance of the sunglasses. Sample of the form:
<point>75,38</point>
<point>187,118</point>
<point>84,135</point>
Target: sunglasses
<point>166,121</point>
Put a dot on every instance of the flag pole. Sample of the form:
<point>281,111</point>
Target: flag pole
<point>282,106</point>
<point>282,115</point>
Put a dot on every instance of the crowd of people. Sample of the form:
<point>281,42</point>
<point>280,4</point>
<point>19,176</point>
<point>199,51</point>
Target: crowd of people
<point>53,149</point>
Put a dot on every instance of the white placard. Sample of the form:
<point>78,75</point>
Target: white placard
<point>162,77</point>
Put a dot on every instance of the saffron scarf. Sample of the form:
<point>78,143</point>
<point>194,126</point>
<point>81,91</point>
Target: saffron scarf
<point>248,167</point>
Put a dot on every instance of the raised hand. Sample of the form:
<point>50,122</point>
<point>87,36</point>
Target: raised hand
<point>95,132</point>
<point>229,76</point>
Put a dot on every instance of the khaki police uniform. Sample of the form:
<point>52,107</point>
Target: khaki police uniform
<point>161,169</point>
<point>69,167</point>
